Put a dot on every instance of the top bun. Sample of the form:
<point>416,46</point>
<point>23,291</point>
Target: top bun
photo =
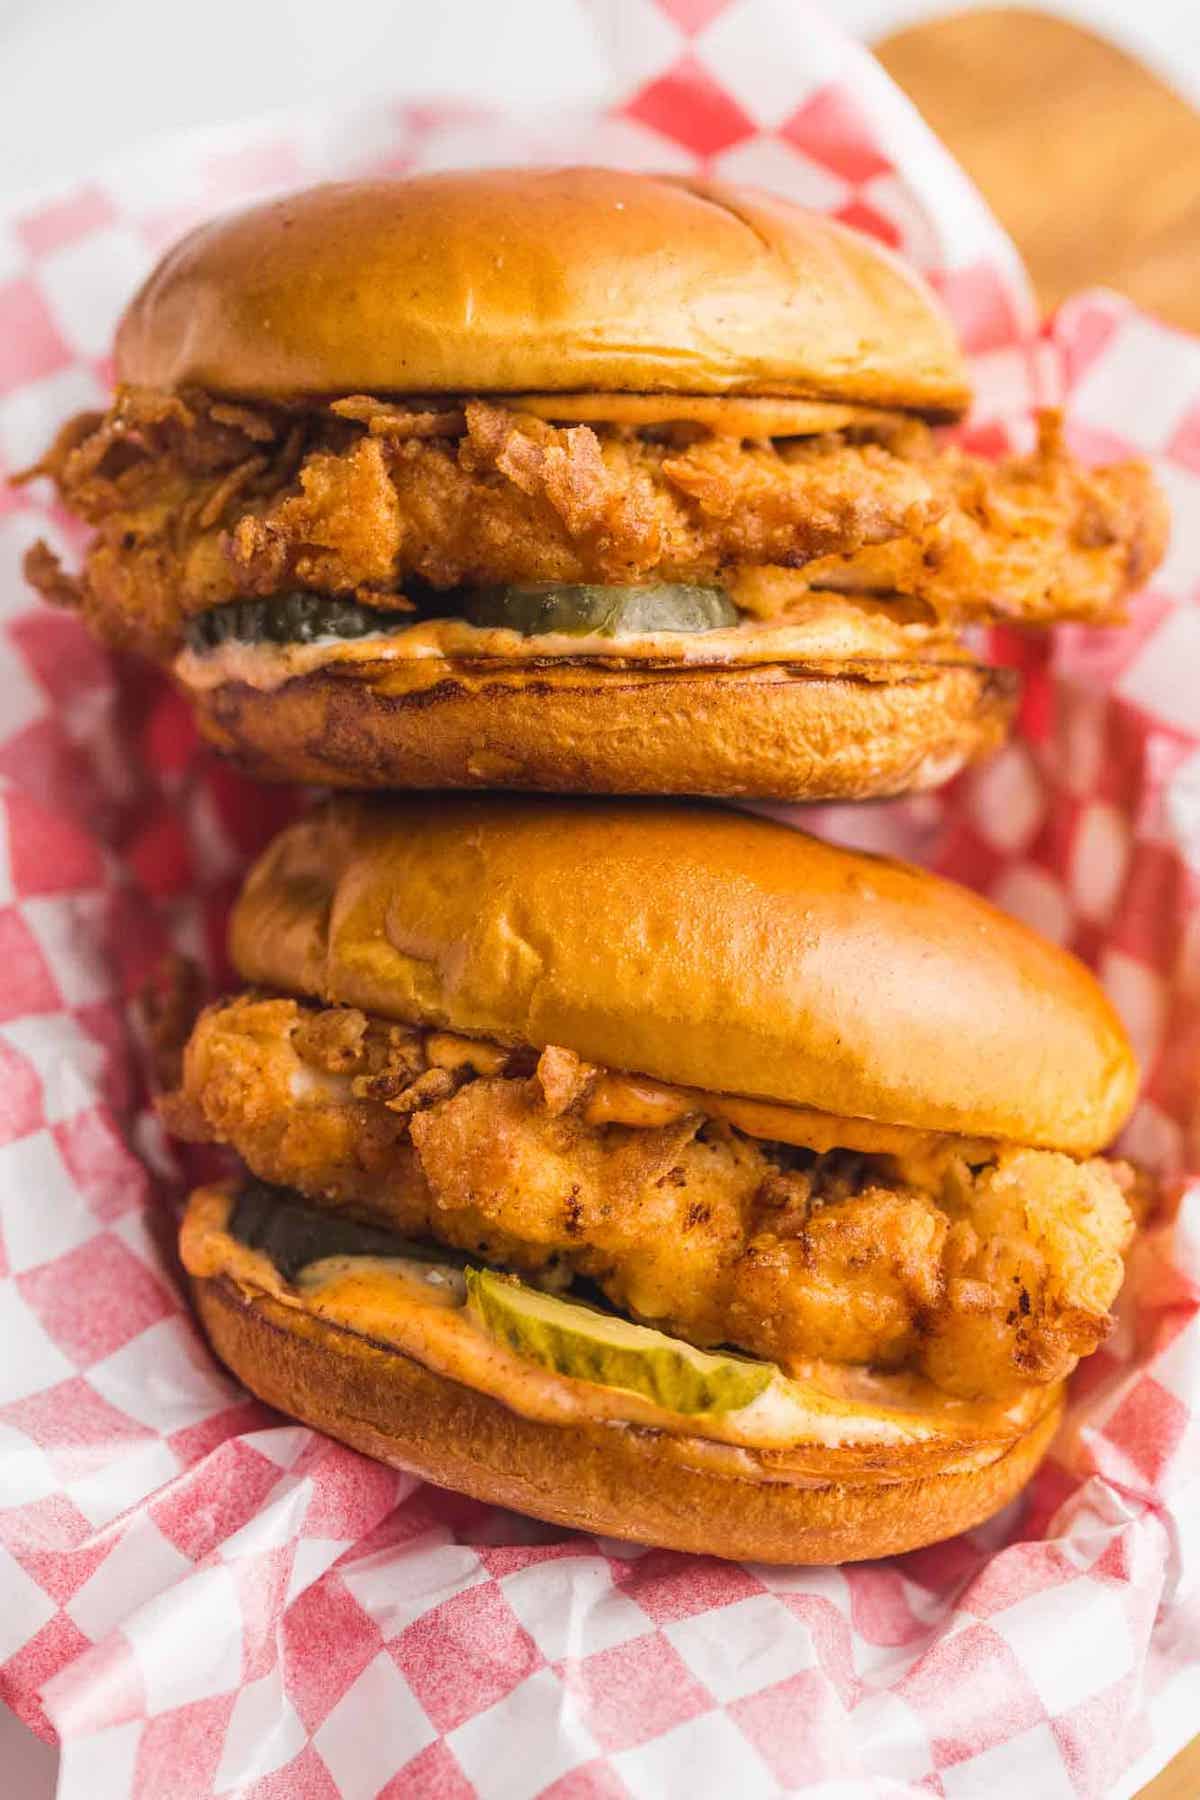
<point>504,280</point>
<point>706,948</point>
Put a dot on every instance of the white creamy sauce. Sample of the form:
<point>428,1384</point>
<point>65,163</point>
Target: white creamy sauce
<point>309,1086</point>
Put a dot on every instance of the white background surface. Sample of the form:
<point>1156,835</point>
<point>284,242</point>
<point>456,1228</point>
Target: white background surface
<point>80,79</point>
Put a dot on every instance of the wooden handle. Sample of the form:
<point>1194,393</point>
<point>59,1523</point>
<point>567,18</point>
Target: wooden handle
<point>1089,160</point>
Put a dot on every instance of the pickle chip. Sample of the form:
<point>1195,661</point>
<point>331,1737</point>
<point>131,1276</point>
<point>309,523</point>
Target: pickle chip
<point>294,1235</point>
<point>301,617</point>
<point>589,609</point>
<point>574,1339</point>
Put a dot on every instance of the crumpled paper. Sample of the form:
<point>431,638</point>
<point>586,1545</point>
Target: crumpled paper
<point>201,1600</point>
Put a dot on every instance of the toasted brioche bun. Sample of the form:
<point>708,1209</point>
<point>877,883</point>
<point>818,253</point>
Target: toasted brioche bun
<point>704,947</point>
<point>769,732</point>
<point>644,1485</point>
<point>545,280</point>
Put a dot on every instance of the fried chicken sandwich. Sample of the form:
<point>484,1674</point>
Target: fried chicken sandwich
<point>571,480</point>
<point>656,1170</point>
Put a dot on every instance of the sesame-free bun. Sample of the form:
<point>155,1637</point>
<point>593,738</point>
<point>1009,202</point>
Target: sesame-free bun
<point>549,280</point>
<point>700,946</point>
<point>770,731</point>
<point>644,1485</point>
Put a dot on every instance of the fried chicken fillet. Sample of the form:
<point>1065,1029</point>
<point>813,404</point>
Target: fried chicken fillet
<point>198,502</point>
<point>981,1266</point>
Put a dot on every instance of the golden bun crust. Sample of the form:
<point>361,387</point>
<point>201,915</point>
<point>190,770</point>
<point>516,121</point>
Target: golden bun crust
<point>642,1485</point>
<point>767,732</point>
<point>705,947</point>
<point>505,280</point>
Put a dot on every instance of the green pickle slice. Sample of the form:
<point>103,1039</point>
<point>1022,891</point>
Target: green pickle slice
<point>574,1339</point>
<point>586,609</point>
<point>297,618</point>
<point>295,1235</point>
<point>576,610</point>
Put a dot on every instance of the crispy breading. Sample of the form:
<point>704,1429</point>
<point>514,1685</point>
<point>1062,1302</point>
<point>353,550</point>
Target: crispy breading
<point>518,499</point>
<point>565,1079</point>
<point>1035,539</point>
<point>344,529</point>
<point>1031,1267</point>
<point>386,418</point>
<point>984,1278</point>
<point>197,501</point>
<point>310,1091</point>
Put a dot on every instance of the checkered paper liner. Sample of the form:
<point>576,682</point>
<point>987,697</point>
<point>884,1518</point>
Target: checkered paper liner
<point>199,1599</point>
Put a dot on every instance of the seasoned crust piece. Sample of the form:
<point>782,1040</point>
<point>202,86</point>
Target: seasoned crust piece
<point>197,501</point>
<point>983,1277</point>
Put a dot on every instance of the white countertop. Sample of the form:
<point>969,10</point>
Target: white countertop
<point>80,80</point>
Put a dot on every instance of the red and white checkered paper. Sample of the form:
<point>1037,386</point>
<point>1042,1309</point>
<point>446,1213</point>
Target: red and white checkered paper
<point>199,1599</point>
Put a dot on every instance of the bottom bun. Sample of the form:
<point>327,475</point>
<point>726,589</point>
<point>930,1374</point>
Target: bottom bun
<point>770,731</point>
<point>680,1493</point>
